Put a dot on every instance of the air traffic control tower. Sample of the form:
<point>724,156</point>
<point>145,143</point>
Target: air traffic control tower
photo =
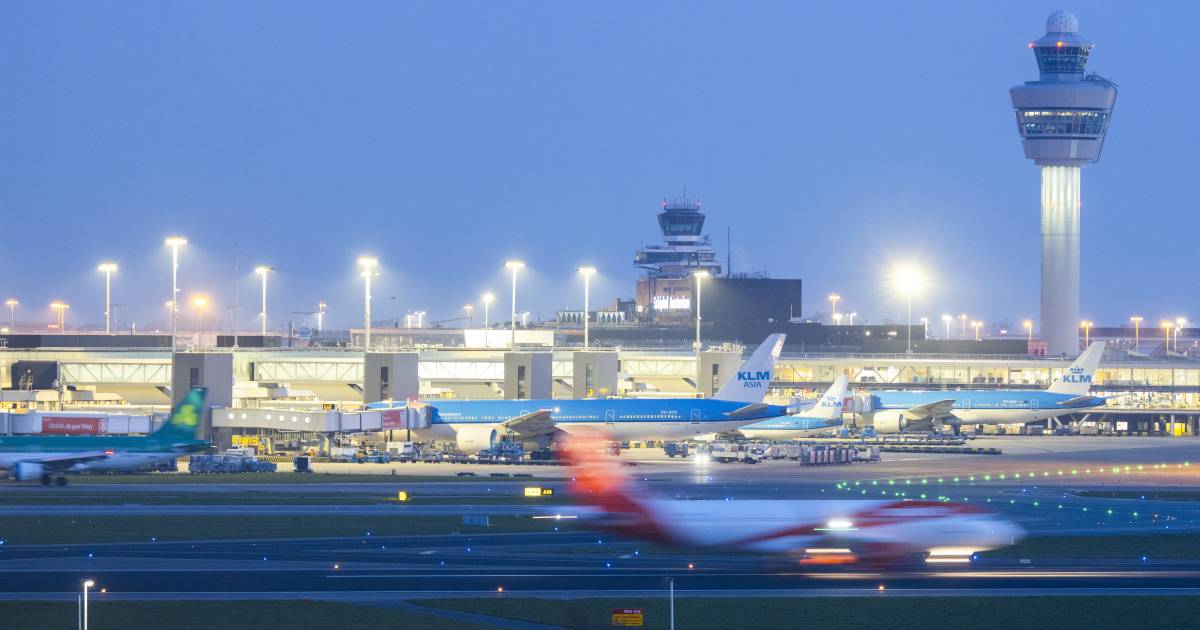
<point>1062,118</point>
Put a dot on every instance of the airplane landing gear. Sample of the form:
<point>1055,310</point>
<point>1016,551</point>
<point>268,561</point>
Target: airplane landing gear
<point>60,481</point>
<point>46,479</point>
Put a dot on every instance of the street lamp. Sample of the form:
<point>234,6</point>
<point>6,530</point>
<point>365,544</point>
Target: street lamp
<point>420,319</point>
<point>946,319</point>
<point>62,317</point>
<point>470,309</point>
<point>977,325</point>
<point>1137,326</point>
<point>108,269</point>
<point>586,272</point>
<point>700,276</point>
<point>12,303</point>
<point>175,242</point>
<point>852,316</point>
<point>200,302</point>
<point>963,318</point>
<point>909,281</point>
<point>1166,325</point>
<point>837,319</point>
<point>488,298</point>
<point>1087,332</point>
<point>833,300</point>
<point>264,271</point>
<point>320,316</point>
<point>1028,328</point>
<point>368,264</point>
<point>1179,324</point>
<point>514,266</point>
<point>86,585</point>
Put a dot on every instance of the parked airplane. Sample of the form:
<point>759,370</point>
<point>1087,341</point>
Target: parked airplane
<point>478,424</point>
<point>30,457</point>
<point>826,413</point>
<point>923,410</point>
<point>816,531</point>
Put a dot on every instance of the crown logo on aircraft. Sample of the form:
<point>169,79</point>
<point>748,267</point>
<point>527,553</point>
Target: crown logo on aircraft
<point>1077,375</point>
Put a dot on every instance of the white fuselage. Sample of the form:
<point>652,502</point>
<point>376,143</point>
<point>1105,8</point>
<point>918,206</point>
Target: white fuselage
<point>118,460</point>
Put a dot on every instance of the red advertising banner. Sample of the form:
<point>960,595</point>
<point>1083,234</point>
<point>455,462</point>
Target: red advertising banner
<point>70,426</point>
<point>395,418</point>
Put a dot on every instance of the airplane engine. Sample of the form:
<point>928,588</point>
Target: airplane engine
<point>896,422</point>
<point>890,422</point>
<point>472,439</point>
<point>27,471</point>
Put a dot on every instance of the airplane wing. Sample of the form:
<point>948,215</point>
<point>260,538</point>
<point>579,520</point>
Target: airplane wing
<point>933,410</point>
<point>1096,400</point>
<point>534,423</point>
<point>66,462</point>
<point>748,410</point>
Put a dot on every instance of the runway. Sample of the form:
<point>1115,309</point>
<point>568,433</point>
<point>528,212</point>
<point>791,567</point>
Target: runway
<point>1039,483</point>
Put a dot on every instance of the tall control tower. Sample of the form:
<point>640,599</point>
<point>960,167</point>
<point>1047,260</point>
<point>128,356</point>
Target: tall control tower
<point>1062,118</point>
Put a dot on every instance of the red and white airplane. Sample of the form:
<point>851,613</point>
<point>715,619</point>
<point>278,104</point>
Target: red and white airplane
<point>885,532</point>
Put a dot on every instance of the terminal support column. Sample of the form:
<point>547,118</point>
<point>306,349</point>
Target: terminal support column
<point>1060,259</point>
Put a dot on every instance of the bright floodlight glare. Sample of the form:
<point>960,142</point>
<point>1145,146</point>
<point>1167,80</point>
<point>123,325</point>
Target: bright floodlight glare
<point>908,279</point>
<point>88,584</point>
<point>107,267</point>
<point>57,304</point>
<point>367,262</point>
<point>488,298</point>
<point>702,274</point>
<point>263,269</point>
<point>200,302</point>
<point>587,271</point>
<point>514,264</point>
<point>176,241</point>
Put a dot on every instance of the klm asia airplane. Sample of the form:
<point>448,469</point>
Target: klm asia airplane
<point>899,411</point>
<point>477,424</point>
<point>826,413</point>
<point>42,456</point>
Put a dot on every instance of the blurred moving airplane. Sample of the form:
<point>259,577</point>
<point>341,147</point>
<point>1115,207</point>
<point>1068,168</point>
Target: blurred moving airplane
<point>882,532</point>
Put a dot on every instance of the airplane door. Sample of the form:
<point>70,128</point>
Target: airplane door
<point>610,416</point>
<point>1033,404</point>
<point>965,404</point>
<point>695,416</point>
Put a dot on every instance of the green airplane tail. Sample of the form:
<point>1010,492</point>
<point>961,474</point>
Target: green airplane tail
<point>185,419</point>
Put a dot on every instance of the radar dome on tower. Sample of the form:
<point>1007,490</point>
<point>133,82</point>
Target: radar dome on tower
<point>1062,21</point>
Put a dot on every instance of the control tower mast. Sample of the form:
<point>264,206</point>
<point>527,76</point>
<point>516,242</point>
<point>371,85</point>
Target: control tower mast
<point>1062,118</point>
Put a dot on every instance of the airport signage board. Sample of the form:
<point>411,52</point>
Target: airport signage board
<point>628,617</point>
<point>395,418</point>
<point>66,425</point>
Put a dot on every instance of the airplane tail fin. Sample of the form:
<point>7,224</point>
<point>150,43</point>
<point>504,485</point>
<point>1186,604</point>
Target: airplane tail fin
<point>749,384</point>
<point>598,480</point>
<point>829,406</point>
<point>185,418</point>
<point>1077,379</point>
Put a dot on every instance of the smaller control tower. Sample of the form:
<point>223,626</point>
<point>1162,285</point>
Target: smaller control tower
<point>1062,118</point>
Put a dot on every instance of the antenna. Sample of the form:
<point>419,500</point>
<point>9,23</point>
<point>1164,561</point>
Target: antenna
<point>728,251</point>
<point>235,296</point>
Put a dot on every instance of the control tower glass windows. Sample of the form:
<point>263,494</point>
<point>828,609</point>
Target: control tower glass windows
<point>675,223</point>
<point>1061,59</point>
<point>1061,122</point>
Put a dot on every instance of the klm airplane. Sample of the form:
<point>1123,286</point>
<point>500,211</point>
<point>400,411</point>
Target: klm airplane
<point>898,411</point>
<point>826,413</point>
<point>478,424</point>
<point>30,457</point>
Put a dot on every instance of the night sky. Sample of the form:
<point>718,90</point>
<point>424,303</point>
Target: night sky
<point>835,139</point>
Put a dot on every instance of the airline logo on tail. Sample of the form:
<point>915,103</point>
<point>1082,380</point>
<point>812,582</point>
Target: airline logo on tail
<point>830,404</point>
<point>1076,380</point>
<point>750,383</point>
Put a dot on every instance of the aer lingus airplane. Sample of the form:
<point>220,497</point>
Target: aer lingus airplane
<point>30,457</point>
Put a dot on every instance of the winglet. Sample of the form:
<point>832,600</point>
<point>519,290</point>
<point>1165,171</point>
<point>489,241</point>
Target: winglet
<point>749,384</point>
<point>1076,380</point>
